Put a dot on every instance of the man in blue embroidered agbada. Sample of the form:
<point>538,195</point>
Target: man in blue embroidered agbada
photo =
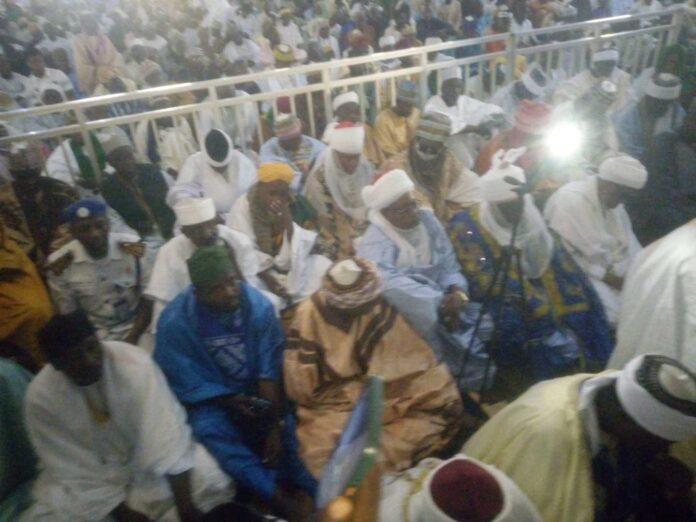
<point>220,346</point>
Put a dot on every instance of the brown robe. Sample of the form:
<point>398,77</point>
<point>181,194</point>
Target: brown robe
<point>328,357</point>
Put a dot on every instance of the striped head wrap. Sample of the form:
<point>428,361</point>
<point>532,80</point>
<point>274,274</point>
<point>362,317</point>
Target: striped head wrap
<point>434,126</point>
<point>351,283</point>
<point>287,127</point>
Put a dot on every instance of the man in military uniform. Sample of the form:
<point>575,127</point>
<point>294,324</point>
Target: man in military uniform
<point>102,273</point>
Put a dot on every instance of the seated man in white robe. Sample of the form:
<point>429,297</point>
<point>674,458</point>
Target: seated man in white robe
<point>594,226</point>
<point>222,172</point>
<point>604,66</point>
<point>111,438</point>
<point>457,489</point>
<point>240,47</point>
<point>199,228</point>
<point>241,121</point>
<point>531,86</point>
<point>288,265</point>
<point>595,447</point>
<point>422,277</point>
<point>658,312</point>
<point>471,118</point>
<point>582,134</point>
<point>657,112</point>
<point>167,141</point>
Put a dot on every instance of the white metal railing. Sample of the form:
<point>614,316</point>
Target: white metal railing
<point>639,48</point>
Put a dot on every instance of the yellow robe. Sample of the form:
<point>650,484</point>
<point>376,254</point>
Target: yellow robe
<point>394,133</point>
<point>24,301</point>
<point>539,442</point>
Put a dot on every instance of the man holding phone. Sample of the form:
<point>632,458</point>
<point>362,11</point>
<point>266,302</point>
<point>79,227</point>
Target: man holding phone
<point>220,345</point>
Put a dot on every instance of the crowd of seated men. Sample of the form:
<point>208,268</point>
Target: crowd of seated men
<point>189,321</point>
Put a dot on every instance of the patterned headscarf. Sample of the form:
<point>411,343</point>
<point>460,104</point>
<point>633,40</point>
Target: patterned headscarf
<point>364,289</point>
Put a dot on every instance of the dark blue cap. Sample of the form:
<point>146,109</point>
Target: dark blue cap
<point>85,208</point>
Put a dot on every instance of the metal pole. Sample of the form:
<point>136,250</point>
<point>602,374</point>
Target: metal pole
<point>511,55</point>
<point>326,85</point>
<point>86,138</point>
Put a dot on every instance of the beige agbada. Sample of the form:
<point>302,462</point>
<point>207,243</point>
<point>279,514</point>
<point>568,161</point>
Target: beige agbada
<point>539,442</point>
<point>328,356</point>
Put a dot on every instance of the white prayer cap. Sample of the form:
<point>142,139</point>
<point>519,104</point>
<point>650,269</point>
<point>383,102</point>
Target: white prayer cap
<point>433,40</point>
<point>136,41</point>
<point>534,80</point>
<point>566,11</point>
<point>607,54</point>
<point>495,188</point>
<point>218,148</point>
<point>115,141</point>
<point>182,191</point>
<point>659,394</point>
<point>347,138</point>
<point>346,97</point>
<point>357,8</point>
<point>51,87</point>
<point>386,189</point>
<point>624,170</point>
<point>463,488</point>
<point>664,86</point>
<point>345,272</point>
<point>192,211</point>
<point>386,40</point>
<point>450,72</point>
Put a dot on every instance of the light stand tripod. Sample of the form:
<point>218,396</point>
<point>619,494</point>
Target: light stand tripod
<point>509,258</point>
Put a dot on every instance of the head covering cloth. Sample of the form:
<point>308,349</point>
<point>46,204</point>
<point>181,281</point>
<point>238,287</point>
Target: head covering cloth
<point>209,264</point>
<point>351,283</point>
<point>659,394</point>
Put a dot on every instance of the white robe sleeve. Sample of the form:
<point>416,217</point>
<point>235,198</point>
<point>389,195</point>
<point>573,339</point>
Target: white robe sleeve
<point>568,217</point>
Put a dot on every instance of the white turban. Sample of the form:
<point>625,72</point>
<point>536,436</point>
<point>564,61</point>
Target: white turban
<point>657,89</point>
<point>530,83</point>
<point>494,187</point>
<point>643,380</point>
<point>194,211</point>
<point>183,191</point>
<point>387,189</point>
<point>450,72</point>
<point>461,478</point>
<point>346,97</point>
<point>116,141</point>
<point>345,272</point>
<point>387,40</point>
<point>605,55</point>
<point>624,170</point>
<point>136,41</point>
<point>347,138</point>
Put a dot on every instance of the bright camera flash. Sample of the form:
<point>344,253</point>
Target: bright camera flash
<point>564,140</point>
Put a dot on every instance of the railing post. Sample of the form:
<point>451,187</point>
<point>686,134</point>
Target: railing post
<point>510,66</point>
<point>423,79</point>
<point>87,140</point>
<point>676,26</point>
<point>215,106</point>
<point>326,91</point>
